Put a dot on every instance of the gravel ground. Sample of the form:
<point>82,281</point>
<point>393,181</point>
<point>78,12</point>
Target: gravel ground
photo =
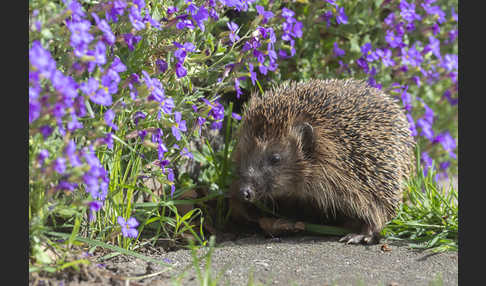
<point>296,260</point>
<point>323,261</point>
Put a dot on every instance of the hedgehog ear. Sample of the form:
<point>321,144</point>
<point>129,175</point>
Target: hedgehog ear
<point>306,134</point>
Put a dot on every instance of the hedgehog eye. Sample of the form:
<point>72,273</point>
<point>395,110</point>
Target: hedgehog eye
<point>274,159</point>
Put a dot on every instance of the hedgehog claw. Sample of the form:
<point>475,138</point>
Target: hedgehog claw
<point>355,238</point>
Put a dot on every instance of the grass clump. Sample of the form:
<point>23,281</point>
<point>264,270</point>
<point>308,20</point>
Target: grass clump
<point>428,218</point>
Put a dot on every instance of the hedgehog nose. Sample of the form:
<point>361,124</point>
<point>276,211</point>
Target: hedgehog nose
<point>246,193</point>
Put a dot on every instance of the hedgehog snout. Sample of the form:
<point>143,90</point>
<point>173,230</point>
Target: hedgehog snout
<point>247,194</point>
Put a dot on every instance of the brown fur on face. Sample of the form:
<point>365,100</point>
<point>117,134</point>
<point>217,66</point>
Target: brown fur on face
<point>344,150</point>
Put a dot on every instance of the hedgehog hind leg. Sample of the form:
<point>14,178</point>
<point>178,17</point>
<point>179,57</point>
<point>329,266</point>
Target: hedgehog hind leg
<point>368,235</point>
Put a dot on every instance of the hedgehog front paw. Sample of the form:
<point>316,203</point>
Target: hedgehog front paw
<point>357,238</point>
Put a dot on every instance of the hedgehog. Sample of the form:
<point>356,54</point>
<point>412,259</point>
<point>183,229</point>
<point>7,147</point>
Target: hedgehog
<point>334,151</point>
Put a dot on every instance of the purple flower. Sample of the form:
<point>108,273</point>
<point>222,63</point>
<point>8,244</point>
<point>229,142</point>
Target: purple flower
<point>363,64</point>
<point>161,150</point>
<point>407,11</point>
<point>341,17</point>
<point>444,165</point>
<point>74,9</point>
<point>58,111</point>
<point>108,35</point>
<point>214,14</point>
<point>448,96</point>
<point>201,16</point>
<point>327,17</point>
<point>262,68</point>
<point>161,65</point>
<point>74,123</point>
<point>191,9</point>
<point>431,75</point>
<point>429,113</point>
<point>110,81</point>
<point>368,53</point>
<point>433,46</point>
<point>46,131</point>
<point>233,27</point>
<point>426,127</point>
<point>385,56</point>
<point>253,75</point>
<point>167,105</point>
<point>372,82</point>
<point>259,56</point>
<point>447,142</point>
<point>154,86</point>
<point>99,54</point>
<point>109,116</point>
<point>287,13</point>
<point>136,18</point>
<point>200,120</point>
<point>427,162</point>
<point>142,134</point>
<point>265,14</point>
<point>236,116</point>
<point>134,78</point>
<point>137,116</point>
<point>393,40</point>
<point>117,65</point>
<point>131,40</point>
<point>411,57</point>
<point>59,165</point>
<point>98,96</point>
<point>216,112</point>
<point>449,62</point>
<point>80,36</point>
<point>140,4</point>
<point>43,154</point>
<point>416,79</point>
<point>435,29</point>
<point>337,51</point>
<point>237,88</point>
<point>41,60</point>
<point>128,226</point>
<point>413,128</point>
<point>453,14</point>
<point>185,23</point>
<point>390,19</point>
<point>65,185</point>
<point>283,54</point>
<point>297,29</point>
<point>170,175</point>
<point>181,71</point>
<point>94,206</point>
<point>66,85</point>
<point>108,140</point>
<point>452,36</point>
<point>147,19</point>
<point>182,50</point>
<point>186,153</point>
<point>180,125</point>
<point>116,10</point>
<point>410,27</point>
<point>172,10</point>
<point>96,178</point>
<point>34,110</point>
<point>70,152</point>
<point>435,11</point>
